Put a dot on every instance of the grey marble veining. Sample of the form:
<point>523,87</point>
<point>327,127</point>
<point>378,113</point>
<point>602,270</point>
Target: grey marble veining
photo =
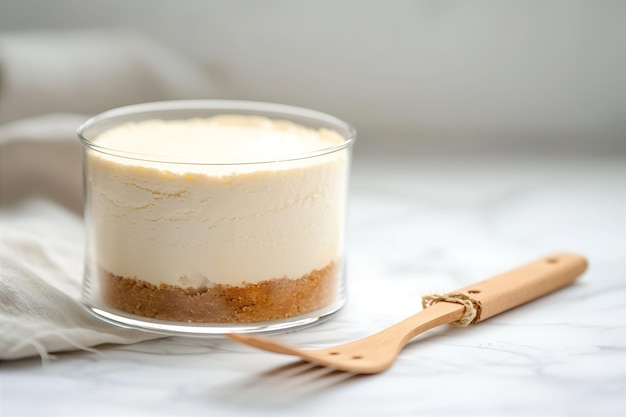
<point>415,226</point>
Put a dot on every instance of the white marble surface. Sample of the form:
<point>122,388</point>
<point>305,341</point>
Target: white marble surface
<point>416,225</point>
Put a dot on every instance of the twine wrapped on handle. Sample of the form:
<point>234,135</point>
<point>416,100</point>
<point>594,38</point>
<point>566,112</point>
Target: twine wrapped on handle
<point>472,306</point>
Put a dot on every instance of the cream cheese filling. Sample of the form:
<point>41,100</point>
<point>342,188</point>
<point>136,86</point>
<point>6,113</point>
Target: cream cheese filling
<point>196,225</point>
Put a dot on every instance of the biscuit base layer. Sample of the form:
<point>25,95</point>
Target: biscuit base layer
<point>273,299</point>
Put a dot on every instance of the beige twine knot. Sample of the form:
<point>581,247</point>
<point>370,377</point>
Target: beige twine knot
<point>472,306</point>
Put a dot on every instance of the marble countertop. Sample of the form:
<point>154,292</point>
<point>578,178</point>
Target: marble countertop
<point>416,226</point>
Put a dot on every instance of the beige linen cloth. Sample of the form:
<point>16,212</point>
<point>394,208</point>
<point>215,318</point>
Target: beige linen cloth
<point>49,84</point>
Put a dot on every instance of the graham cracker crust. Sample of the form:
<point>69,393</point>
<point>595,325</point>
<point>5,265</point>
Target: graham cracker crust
<point>273,299</point>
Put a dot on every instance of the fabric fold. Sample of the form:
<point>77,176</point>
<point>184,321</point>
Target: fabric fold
<point>89,71</point>
<point>41,258</point>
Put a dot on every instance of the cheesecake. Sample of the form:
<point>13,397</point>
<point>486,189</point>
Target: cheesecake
<point>227,219</point>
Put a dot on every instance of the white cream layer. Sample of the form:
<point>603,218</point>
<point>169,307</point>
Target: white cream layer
<point>194,225</point>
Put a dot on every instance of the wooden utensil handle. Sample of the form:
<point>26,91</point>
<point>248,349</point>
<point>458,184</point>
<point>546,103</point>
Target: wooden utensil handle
<point>523,284</point>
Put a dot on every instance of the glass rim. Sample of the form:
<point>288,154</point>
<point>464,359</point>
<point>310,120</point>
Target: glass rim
<point>277,112</point>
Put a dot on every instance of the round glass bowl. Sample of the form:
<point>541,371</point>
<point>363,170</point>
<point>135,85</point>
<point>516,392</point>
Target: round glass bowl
<point>211,216</point>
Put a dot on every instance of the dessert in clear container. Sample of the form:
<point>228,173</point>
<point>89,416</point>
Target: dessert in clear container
<point>215,216</point>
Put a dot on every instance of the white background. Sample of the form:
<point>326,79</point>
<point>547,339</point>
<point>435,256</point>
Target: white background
<point>452,75</point>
